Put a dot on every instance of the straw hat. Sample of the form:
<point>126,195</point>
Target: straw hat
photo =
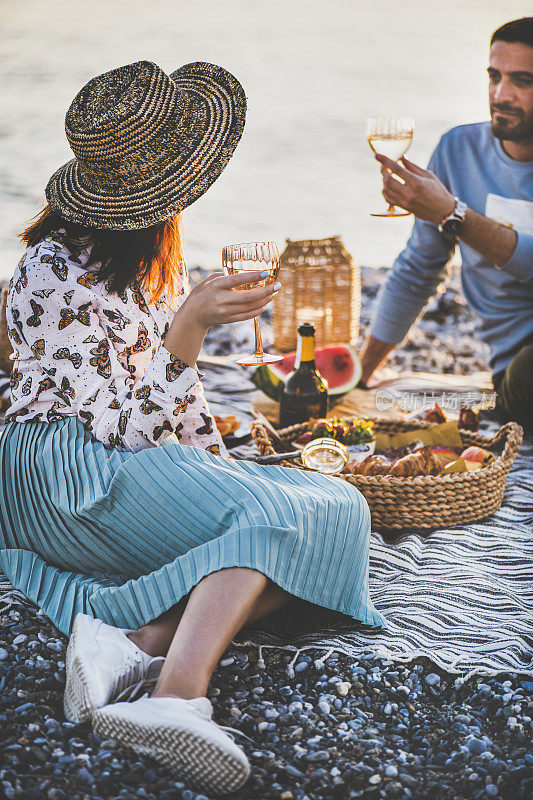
<point>147,145</point>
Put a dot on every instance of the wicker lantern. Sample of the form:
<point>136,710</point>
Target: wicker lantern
<point>321,285</point>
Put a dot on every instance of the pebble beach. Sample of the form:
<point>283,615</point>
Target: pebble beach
<point>336,728</point>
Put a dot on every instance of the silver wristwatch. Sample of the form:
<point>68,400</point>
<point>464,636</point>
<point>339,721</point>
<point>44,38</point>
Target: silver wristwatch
<point>451,225</point>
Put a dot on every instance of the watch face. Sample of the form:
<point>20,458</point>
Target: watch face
<point>453,225</point>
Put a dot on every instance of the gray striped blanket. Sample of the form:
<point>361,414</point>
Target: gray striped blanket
<point>5,393</point>
<point>462,597</point>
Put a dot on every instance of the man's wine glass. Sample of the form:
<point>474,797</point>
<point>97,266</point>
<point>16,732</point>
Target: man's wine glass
<point>390,137</point>
<point>250,257</point>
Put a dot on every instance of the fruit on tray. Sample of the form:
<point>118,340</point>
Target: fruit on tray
<point>227,425</point>
<point>445,455</point>
<point>478,455</point>
<point>435,414</point>
<point>461,465</point>
<point>468,418</point>
<point>338,363</point>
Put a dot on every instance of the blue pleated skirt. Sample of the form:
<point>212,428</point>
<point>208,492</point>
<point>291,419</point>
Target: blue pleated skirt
<point>123,536</point>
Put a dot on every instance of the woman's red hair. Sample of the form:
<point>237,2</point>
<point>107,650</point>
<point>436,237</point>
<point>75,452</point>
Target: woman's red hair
<point>151,258</point>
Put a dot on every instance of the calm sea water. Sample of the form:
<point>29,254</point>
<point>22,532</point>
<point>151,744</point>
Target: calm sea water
<point>312,71</point>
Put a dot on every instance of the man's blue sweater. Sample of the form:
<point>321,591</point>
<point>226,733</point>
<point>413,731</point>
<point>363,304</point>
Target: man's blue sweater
<point>471,163</point>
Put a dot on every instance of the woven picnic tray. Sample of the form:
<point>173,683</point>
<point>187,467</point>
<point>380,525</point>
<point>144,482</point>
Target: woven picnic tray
<point>425,502</point>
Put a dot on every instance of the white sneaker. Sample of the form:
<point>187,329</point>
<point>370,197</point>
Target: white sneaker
<point>103,665</point>
<point>181,734</point>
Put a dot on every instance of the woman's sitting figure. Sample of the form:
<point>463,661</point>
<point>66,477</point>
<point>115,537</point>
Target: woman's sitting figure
<point>123,517</point>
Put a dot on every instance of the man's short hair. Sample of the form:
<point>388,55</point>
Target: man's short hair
<point>518,30</point>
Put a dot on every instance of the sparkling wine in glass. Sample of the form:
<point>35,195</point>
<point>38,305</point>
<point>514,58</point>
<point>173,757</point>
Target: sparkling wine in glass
<point>250,257</point>
<point>390,137</point>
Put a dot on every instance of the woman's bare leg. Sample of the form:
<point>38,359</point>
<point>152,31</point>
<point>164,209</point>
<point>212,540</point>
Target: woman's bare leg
<point>218,607</point>
<point>155,638</point>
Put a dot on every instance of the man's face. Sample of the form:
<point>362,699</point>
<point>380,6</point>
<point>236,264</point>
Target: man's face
<point>511,90</point>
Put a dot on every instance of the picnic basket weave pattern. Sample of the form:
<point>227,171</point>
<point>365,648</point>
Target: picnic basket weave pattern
<point>321,285</point>
<point>425,502</point>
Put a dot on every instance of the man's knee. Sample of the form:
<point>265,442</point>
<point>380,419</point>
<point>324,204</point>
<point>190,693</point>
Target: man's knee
<point>515,394</point>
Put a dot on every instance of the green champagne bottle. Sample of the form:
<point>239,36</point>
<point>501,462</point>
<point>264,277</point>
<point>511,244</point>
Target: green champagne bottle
<point>305,392</point>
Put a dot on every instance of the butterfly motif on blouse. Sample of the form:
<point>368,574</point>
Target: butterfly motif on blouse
<point>175,368</point>
<point>91,399</point>
<point>119,319</point>
<point>114,403</point>
<point>88,279</point>
<point>113,387</point>
<point>206,429</point>
<point>26,386</point>
<point>59,265</point>
<point>64,352</point>
<point>138,298</point>
<point>191,398</point>
<point>113,336</point>
<point>160,429</point>
<point>213,448</point>
<point>43,292</point>
<point>53,414</point>
<point>68,315</point>
<point>65,391</point>
<point>90,340</point>
<point>44,385</point>
<point>181,408</point>
<point>142,393</point>
<point>21,282</point>
<point>123,421</point>
<point>15,378</point>
<point>101,359</point>
<point>15,313</point>
<point>178,429</point>
<point>51,371</point>
<point>147,406</point>
<point>142,343</point>
<point>38,348</point>
<point>38,311</point>
<point>88,417</point>
<point>122,295</point>
<point>14,334</point>
<point>67,297</point>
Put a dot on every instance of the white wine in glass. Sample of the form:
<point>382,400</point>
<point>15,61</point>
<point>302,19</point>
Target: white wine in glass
<point>390,137</point>
<point>251,257</point>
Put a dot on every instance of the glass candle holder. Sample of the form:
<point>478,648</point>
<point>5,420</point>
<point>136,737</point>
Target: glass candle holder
<point>325,455</point>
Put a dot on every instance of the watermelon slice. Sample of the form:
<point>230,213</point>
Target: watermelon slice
<point>338,363</point>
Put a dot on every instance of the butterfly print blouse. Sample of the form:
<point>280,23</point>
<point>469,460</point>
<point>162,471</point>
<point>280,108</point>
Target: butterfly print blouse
<point>80,350</point>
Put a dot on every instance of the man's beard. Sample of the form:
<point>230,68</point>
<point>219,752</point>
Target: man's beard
<point>509,130</point>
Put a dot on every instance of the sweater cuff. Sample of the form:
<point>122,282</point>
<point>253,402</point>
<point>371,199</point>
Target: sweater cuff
<point>520,265</point>
<point>387,331</point>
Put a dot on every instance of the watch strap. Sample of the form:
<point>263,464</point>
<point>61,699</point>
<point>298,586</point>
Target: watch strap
<point>451,224</point>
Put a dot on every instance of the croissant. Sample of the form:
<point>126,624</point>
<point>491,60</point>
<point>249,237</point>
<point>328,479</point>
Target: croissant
<point>423,462</point>
<point>372,465</point>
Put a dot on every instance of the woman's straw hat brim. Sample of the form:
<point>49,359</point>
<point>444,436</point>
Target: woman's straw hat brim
<point>192,159</point>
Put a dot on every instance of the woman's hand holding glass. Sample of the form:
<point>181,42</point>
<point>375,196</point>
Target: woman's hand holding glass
<point>213,302</point>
